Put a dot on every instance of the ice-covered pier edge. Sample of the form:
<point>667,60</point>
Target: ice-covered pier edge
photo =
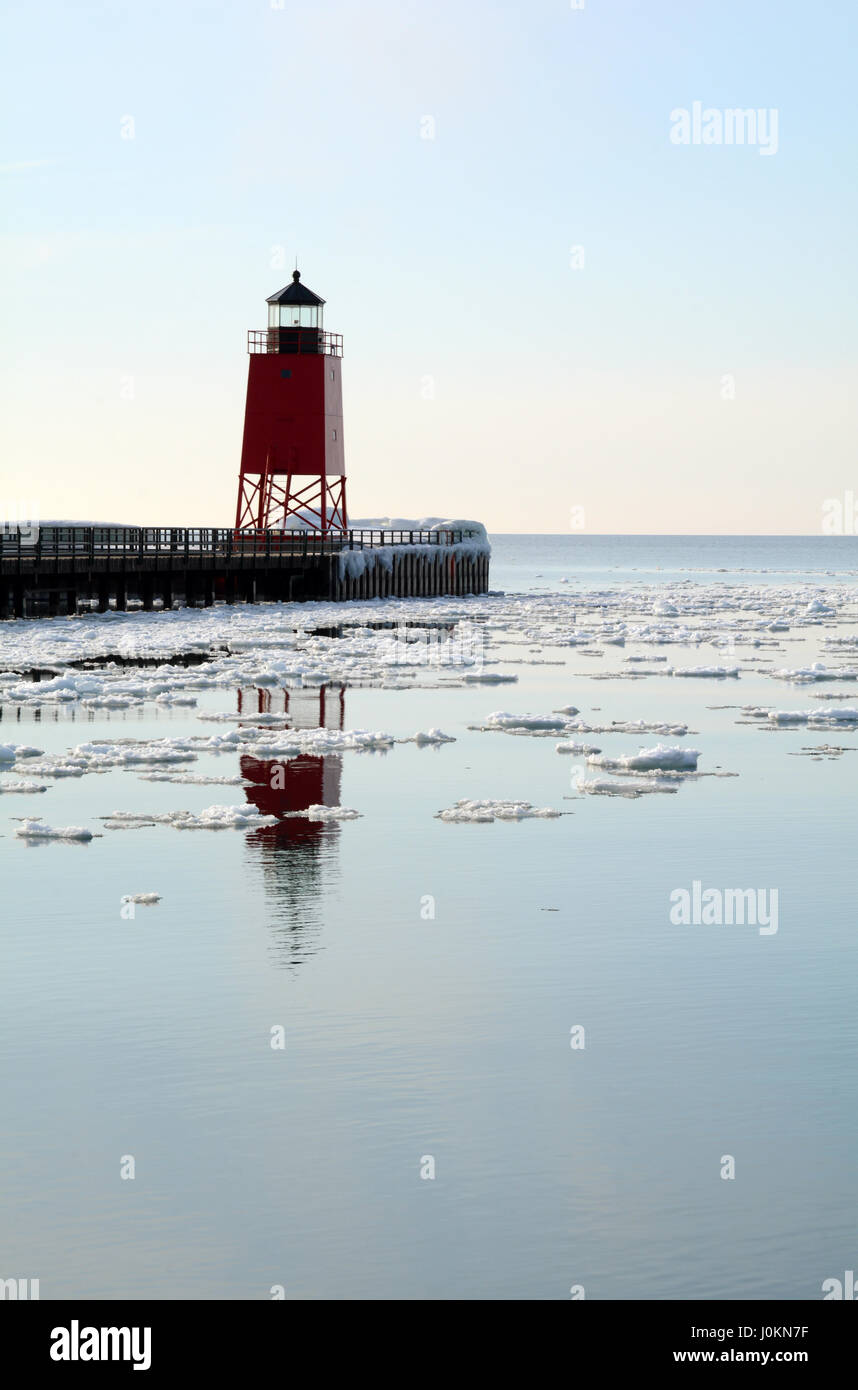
<point>440,565</point>
<point>60,568</point>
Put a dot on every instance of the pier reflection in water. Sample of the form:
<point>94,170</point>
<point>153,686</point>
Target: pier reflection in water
<point>298,857</point>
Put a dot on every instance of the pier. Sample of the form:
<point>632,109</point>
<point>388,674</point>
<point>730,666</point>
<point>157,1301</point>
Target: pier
<point>53,570</point>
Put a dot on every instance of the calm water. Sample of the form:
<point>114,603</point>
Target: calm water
<point>540,563</point>
<point>409,1036</point>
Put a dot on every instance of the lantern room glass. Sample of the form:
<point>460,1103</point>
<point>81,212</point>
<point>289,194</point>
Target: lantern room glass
<point>295,316</point>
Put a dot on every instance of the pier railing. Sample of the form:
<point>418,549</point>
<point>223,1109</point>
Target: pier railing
<point>29,547</point>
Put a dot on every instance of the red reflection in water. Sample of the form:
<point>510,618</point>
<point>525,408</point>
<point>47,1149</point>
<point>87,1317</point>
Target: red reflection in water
<point>319,708</point>
<point>276,786</point>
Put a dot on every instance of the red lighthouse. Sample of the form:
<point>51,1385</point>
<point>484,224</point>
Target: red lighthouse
<point>292,460</point>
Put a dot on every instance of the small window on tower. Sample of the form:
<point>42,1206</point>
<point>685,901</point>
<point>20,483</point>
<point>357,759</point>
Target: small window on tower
<point>285,372</point>
<point>333,434</point>
<point>332,374</point>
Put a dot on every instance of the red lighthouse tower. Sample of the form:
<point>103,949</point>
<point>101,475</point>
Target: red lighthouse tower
<point>292,460</point>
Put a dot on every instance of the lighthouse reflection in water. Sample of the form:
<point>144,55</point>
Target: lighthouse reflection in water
<point>297,856</point>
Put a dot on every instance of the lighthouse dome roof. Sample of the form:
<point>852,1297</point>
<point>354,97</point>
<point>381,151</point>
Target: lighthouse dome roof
<point>296,293</point>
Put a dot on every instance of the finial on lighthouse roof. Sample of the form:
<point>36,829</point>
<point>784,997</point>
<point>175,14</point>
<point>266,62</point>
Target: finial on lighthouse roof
<point>296,275</point>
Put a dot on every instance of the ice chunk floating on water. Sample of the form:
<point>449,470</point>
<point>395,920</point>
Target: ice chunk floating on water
<point>612,786</point>
<point>716,671</point>
<point>192,779</point>
<point>518,723</point>
<point>819,718</point>
<point>9,752</point>
<point>818,671</point>
<point>212,818</point>
<point>659,759</point>
<point>37,830</point>
<point>496,810</point>
<point>488,678</point>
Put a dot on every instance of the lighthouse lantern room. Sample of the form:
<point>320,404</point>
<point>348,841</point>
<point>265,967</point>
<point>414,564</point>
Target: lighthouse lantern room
<point>292,460</point>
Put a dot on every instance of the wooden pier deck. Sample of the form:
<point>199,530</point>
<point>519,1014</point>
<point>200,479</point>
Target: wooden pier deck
<point>52,570</point>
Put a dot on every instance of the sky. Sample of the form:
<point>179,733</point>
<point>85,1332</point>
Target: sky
<point>555,316</point>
